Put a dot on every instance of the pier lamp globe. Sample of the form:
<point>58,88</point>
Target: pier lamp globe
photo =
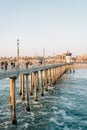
<point>68,56</point>
<point>18,40</point>
<point>17,44</point>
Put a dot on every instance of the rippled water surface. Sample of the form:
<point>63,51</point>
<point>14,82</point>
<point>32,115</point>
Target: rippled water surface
<point>64,106</point>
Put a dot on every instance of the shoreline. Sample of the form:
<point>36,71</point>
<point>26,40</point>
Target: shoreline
<point>80,66</point>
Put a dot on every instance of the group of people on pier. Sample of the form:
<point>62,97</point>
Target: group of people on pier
<point>4,65</point>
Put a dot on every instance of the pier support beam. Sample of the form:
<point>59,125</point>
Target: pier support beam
<point>45,80</point>
<point>73,68</point>
<point>33,78</point>
<point>20,89</point>
<point>23,97</point>
<point>37,81</point>
<point>70,69</point>
<point>31,84</point>
<point>12,94</point>
<point>58,72</point>
<point>35,86</point>
<point>27,94</point>
<point>41,84</point>
<point>49,77</point>
<point>53,76</point>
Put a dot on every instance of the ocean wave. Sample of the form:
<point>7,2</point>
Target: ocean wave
<point>66,128</point>
<point>56,122</point>
<point>64,115</point>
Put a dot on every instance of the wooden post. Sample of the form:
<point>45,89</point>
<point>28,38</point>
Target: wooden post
<point>60,71</point>
<point>12,94</point>
<point>37,77</point>
<point>33,78</point>
<point>73,68</point>
<point>70,69</point>
<point>35,86</point>
<point>49,77</point>
<point>52,75</point>
<point>41,83</point>
<point>55,75</point>
<point>45,79</point>
<point>23,97</point>
<point>31,84</point>
<point>27,94</point>
<point>20,89</point>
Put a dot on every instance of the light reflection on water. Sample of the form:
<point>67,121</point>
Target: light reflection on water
<point>64,106</point>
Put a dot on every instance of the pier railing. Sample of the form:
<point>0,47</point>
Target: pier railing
<point>15,72</point>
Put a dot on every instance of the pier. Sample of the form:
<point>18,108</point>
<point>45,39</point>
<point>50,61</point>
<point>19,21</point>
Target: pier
<point>43,76</point>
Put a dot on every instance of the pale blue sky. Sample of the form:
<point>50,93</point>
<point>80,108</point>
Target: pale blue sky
<point>55,25</point>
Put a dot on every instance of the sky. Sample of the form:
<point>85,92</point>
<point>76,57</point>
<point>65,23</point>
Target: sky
<point>55,25</point>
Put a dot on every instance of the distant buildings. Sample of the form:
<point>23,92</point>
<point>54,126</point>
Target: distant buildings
<point>38,60</point>
<point>81,58</point>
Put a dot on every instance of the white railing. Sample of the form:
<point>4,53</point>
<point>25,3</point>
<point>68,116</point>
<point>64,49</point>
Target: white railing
<point>14,72</point>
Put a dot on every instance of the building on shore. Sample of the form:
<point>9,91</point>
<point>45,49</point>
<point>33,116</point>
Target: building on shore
<point>68,57</point>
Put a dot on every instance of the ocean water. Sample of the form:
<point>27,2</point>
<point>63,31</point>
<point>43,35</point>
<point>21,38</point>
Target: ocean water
<point>64,106</point>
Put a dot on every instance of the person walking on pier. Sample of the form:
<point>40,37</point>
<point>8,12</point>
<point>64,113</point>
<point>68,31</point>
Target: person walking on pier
<point>2,65</point>
<point>5,64</point>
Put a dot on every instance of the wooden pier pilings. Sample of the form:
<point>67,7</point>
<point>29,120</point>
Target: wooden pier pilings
<point>39,78</point>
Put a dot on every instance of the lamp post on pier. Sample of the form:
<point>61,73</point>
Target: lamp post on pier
<point>43,56</point>
<point>18,54</point>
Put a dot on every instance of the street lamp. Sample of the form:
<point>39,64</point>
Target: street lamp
<point>17,54</point>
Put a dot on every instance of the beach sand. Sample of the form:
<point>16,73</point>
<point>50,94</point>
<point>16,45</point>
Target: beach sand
<point>80,65</point>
